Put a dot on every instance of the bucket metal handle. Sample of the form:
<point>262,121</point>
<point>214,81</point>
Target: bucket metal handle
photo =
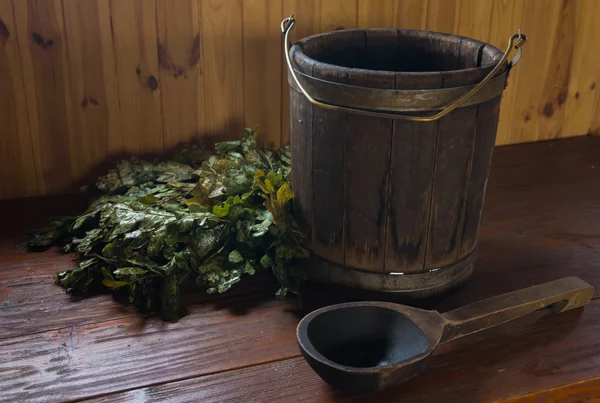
<point>515,42</point>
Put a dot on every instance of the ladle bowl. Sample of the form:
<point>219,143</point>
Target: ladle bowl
<point>368,346</point>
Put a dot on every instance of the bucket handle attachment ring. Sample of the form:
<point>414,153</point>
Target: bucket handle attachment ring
<point>515,42</point>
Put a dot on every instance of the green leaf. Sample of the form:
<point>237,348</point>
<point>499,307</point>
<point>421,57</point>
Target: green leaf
<point>81,220</point>
<point>109,250</point>
<point>282,292</point>
<point>249,268</point>
<point>225,147</point>
<point>209,268</point>
<point>221,211</point>
<point>141,260</point>
<point>235,257</point>
<point>284,194</point>
<point>109,281</point>
<point>114,284</point>
<point>269,186</point>
<point>262,227</point>
<point>266,261</point>
<point>148,199</point>
<point>207,241</point>
<point>130,271</point>
<point>107,275</point>
<point>171,171</point>
<point>156,242</point>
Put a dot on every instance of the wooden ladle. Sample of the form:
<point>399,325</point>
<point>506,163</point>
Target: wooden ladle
<point>368,346</point>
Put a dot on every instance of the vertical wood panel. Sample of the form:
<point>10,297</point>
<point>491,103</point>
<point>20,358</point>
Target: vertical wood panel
<point>133,24</point>
<point>17,164</point>
<point>455,137</point>
<point>485,134</point>
<point>262,67</point>
<point>585,71</point>
<point>223,68</point>
<point>328,158</point>
<point>95,121</point>
<point>527,106</point>
<point>328,174</point>
<point>507,16</point>
<point>301,145</point>
<point>181,80</point>
<point>473,19</point>
<point>557,75</point>
<point>338,14</point>
<point>308,13</point>
<point>454,156</point>
<point>380,15</point>
<point>222,63</point>
<point>368,147</point>
<point>410,14</point>
<point>413,147</point>
<point>441,15</point>
<point>43,50</point>
<point>593,11</point>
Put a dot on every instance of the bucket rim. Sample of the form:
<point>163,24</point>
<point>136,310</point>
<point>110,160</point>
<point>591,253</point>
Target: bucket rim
<point>304,60</point>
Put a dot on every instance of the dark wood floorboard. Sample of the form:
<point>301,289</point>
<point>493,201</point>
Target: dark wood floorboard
<point>531,354</point>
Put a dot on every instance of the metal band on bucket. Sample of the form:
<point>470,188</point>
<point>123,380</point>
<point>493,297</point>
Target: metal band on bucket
<point>392,100</point>
<point>408,285</point>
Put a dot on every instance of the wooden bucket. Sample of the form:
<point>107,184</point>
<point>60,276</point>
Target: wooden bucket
<point>389,204</point>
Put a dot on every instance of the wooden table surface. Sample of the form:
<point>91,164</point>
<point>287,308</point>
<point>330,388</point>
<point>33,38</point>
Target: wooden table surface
<point>541,222</point>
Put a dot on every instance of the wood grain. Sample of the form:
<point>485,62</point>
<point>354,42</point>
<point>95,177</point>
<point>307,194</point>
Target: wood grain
<point>16,145</point>
<point>555,90</point>
<point>584,71</point>
<point>306,26</point>
<point>505,17</point>
<point>93,86</point>
<point>111,355</point>
<point>329,130</point>
<point>454,150</point>
<point>262,67</point>
<point>441,15</point>
<point>380,16</point>
<point>302,149</point>
<point>453,162</point>
<point>338,14</point>
<point>222,46</point>
<point>31,303</point>
<point>413,148</point>
<point>134,36</point>
<point>181,80</point>
<point>483,143</point>
<point>44,61</point>
<point>473,19</point>
<point>588,390</point>
<point>527,109</point>
<point>48,134</point>
<point>410,14</point>
<point>536,227</point>
<point>368,152</point>
<point>533,353</point>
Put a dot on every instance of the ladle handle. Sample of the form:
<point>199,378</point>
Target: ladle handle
<point>562,295</point>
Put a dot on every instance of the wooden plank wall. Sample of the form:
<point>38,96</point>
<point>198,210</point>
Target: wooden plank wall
<point>83,82</point>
